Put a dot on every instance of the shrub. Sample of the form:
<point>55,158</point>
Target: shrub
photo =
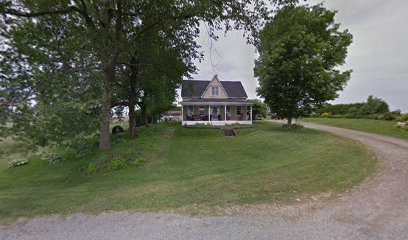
<point>82,145</point>
<point>91,168</point>
<point>376,116</point>
<point>293,127</point>
<point>137,162</point>
<point>116,164</point>
<point>259,107</point>
<point>325,115</point>
<point>336,116</point>
<point>404,117</point>
<point>396,113</point>
<point>389,116</point>
<point>314,115</point>
<point>52,157</point>
<point>119,138</point>
<point>17,163</point>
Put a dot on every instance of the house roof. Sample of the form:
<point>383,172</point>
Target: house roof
<point>217,101</point>
<point>195,88</point>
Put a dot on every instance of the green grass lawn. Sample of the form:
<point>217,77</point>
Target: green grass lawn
<point>190,169</point>
<point>366,125</point>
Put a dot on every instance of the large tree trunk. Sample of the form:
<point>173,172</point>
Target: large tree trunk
<point>132,97</point>
<point>143,109</point>
<point>289,122</point>
<point>108,60</point>
<point>145,121</point>
<point>104,139</point>
<point>132,121</point>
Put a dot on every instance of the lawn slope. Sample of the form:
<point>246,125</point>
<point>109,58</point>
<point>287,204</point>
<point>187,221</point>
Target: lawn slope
<point>191,167</point>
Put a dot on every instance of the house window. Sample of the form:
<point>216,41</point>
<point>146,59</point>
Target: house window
<point>239,110</point>
<point>202,111</point>
<point>190,110</point>
<point>215,91</point>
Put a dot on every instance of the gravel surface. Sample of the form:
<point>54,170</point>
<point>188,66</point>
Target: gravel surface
<point>376,209</point>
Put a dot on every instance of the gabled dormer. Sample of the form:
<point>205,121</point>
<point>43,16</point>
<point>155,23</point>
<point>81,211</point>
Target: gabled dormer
<point>208,90</point>
<point>215,89</point>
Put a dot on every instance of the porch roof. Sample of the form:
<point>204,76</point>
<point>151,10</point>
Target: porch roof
<point>216,102</point>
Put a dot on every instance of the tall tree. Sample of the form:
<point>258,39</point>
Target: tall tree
<point>300,51</point>
<point>151,70</point>
<point>375,105</point>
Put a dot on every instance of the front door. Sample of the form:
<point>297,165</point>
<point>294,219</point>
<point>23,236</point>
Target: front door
<point>215,112</point>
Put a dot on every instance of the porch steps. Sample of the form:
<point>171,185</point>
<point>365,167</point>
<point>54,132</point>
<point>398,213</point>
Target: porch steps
<point>228,132</point>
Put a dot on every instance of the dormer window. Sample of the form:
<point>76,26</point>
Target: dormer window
<point>215,90</point>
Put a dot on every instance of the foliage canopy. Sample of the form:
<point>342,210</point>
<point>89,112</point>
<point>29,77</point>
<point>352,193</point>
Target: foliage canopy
<point>300,50</point>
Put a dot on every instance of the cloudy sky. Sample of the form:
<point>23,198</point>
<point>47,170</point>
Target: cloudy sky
<point>378,55</point>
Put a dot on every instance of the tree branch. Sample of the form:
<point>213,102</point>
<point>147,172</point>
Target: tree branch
<point>41,13</point>
<point>118,30</point>
<point>160,20</point>
<point>85,13</point>
<point>120,103</point>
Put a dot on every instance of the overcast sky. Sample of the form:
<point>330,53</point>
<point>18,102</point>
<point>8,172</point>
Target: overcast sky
<point>378,55</point>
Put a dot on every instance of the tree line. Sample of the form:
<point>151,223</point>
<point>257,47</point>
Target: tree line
<point>65,64</point>
<point>372,108</point>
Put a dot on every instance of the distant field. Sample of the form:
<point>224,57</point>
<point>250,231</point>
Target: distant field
<point>189,169</point>
<point>366,125</point>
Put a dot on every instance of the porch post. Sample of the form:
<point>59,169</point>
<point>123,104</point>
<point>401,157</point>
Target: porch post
<point>225,113</point>
<point>251,113</point>
<point>182,114</point>
<point>209,114</point>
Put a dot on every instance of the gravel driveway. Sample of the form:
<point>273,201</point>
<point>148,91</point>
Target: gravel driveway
<point>376,209</point>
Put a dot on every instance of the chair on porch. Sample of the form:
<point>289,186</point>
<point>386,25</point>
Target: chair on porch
<point>189,117</point>
<point>196,117</point>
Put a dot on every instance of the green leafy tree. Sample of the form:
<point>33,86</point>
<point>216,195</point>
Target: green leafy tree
<point>50,96</point>
<point>259,107</point>
<point>374,105</point>
<point>300,50</point>
<point>150,72</point>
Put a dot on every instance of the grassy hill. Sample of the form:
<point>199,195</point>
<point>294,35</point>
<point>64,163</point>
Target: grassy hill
<point>186,168</point>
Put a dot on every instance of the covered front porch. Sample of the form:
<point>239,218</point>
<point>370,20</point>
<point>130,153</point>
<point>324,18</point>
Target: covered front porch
<point>216,113</point>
